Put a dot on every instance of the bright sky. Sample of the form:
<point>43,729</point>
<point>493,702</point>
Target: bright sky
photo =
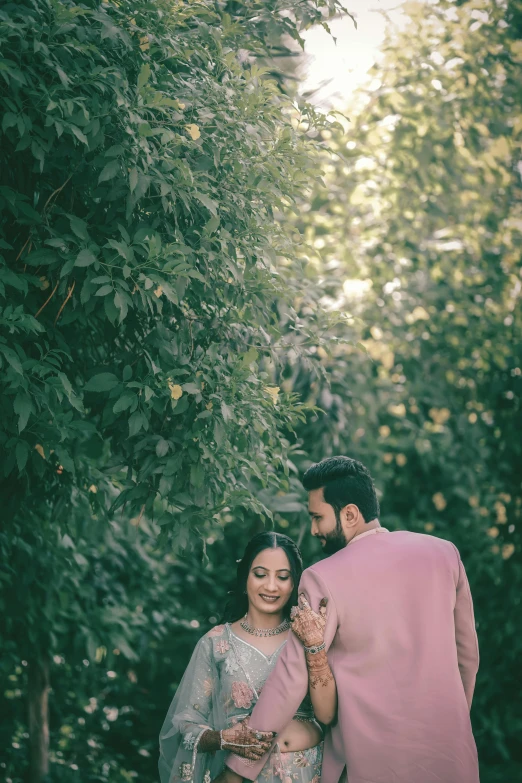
<point>335,72</point>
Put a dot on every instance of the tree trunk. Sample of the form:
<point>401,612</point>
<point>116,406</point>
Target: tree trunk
<point>38,696</point>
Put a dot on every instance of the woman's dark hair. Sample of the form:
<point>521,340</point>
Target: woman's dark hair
<point>343,481</point>
<point>237,604</point>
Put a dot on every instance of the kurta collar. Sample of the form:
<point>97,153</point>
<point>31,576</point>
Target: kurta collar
<point>369,533</point>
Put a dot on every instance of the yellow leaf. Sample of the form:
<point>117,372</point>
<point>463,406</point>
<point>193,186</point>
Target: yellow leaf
<point>175,390</point>
<point>507,550</point>
<point>439,501</point>
<point>439,415</point>
<point>158,292</point>
<point>93,488</point>
<point>418,314</point>
<point>193,131</point>
<point>273,391</point>
<point>397,410</point>
<point>181,106</point>
<point>144,43</point>
<point>40,450</point>
<point>429,526</point>
<point>493,532</point>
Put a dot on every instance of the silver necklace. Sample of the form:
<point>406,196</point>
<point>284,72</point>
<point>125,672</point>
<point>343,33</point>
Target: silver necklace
<point>245,625</point>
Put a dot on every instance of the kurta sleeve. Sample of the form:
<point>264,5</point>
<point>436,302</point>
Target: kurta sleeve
<point>465,633</point>
<point>287,686</point>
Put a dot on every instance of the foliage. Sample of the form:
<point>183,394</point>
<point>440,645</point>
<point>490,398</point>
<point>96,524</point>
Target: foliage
<point>143,156</point>
<point>121,619</point>
<point>417,245</point>
<point>418,236</point>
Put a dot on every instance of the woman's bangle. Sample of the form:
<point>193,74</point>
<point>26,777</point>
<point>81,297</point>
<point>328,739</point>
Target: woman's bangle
<point>315,649</point>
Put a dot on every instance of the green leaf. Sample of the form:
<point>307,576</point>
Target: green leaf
<point>12,358</point>
<point>121,303</point>
<point>191,388</point>
<point>104,290</point>
<point>23,408</point>
<point>109,171</point>
<point>212,224</point>
<point>226,412</point>
<point>104,381</point>
<point>22,454</point>
<point>207,202</point>
<point>133,179</point>
<point>41,257</point>
<point>136,423</point>
<point>162,447</point>
<point>124,402</point>
<point>144,75</point>
<point>250,356</point>
<point>79,227</point>
<point>9,120</point>
<point>79,135</point>
<point>196,474</point>
<point>85,258</point>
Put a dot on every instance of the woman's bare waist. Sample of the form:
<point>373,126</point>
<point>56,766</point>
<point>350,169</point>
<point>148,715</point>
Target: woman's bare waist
<point>299,735</point>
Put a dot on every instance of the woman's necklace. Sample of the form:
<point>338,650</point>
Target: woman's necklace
<point>245,625</point>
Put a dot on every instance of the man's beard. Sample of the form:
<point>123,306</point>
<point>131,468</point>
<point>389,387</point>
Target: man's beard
<point>336,540</point>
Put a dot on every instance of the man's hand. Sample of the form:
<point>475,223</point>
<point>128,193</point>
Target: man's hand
<point>247,742</point>
<point>308,625</point>
<point>228,776</point>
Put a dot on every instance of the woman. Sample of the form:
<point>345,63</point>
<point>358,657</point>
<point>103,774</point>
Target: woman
<point>228,668</point>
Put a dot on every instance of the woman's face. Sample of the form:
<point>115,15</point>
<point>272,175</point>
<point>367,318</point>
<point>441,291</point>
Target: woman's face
<point>270,583</point>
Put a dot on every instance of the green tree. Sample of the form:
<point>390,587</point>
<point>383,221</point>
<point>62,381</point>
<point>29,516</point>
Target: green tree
<point>117,618</point>
<point>144,157</point>
<point>418,237</point>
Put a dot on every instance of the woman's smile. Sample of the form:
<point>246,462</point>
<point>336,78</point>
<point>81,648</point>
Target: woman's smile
<point>271,599</point>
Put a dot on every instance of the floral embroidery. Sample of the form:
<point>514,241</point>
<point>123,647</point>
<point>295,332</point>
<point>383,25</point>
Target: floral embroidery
<point>208,687</point>
<point>185,772</point>
<point>189,740</point>
<point>217,631</point>
<point>315,779</point>
<point>242,694</point>
<point>222,646</point>
<point>300,759</point>
<point>206,778</point>
<point>231,664</point>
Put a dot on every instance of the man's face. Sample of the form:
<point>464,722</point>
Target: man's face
<point>325,523</point>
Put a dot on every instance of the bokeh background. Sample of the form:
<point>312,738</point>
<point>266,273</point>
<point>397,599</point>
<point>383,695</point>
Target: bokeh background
<point>224,258</point>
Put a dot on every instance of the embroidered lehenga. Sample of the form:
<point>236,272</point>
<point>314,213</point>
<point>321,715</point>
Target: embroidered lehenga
<point>219,688</point>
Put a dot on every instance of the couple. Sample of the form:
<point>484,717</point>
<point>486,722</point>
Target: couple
<point>381,650</point>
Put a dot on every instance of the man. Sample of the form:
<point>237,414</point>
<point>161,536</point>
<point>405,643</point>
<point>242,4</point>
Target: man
<point>400,640</point>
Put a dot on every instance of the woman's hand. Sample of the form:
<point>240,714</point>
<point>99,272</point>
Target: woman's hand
<point>308,625</point>
<point>247,742</point>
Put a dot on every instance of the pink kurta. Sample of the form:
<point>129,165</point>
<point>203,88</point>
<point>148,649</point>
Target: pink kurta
<point>402,645</point>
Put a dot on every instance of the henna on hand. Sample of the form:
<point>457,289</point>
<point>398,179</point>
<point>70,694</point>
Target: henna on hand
<point>246,742</point>
<point>308,625</point>
<point>210,742</point>
<point>319,672</point>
